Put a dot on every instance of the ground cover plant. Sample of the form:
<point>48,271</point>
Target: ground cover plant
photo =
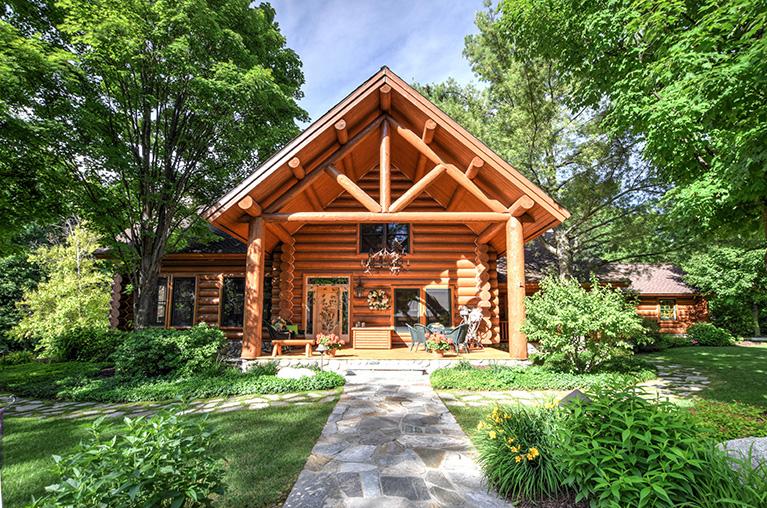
<point>164,460</point>
<point>466,377</point>
<point>264,451</point>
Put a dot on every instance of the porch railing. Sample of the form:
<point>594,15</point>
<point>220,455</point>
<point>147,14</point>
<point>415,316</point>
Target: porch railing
<point>504,332</point>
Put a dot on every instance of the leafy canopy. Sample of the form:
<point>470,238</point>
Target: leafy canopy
<point>689,77</point>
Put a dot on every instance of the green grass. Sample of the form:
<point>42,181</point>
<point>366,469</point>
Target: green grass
<point>469,417</point>
<point>80,381</point>
<point>529,378</point>
<point>737,373</point>
<point>265,451</point>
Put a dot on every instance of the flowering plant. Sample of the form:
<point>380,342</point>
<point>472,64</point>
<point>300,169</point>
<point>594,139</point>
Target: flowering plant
<point>331,341</point>
<point>515,447</point>
<point>280,324</point>
<point>378,299</point>
<point>437,342</point>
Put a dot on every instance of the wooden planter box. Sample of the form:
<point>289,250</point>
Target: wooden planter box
<point>372,337</point>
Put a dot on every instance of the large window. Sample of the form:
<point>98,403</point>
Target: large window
<point>407,308</point>
<point>438,306</point>
<point>374,237</point>
<point>160,302</point>
<point>233,301</point>
<point>667,310</point>
<point>182,304</point>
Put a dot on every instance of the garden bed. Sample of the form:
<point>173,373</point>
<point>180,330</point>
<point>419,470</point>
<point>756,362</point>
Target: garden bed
<point>494,378</point>
<point>81,381</point>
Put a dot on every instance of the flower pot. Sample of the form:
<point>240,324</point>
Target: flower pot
<point>332,352</point>
<point>440,352</point>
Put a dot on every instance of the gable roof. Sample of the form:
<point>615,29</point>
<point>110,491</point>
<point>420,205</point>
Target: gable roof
<point>359,112</point>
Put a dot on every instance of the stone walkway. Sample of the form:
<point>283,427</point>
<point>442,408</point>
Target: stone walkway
<point>675,381</point>
<point>390,441</point>
<point>59,409</point>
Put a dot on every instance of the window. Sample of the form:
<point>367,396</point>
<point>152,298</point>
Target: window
<point>438,306</point>
<point>374,237</point>
<point>667,310</point>
<point>233,301</point>
<point>407,308</point>
<point>182,304</point>
<point>160,302</point>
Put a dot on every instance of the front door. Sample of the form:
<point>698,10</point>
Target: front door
<point>327,310</point>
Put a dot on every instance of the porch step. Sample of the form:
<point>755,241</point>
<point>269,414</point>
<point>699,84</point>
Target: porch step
<point>351,366</point>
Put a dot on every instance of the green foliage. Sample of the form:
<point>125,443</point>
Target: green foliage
<point>706,334</point>
<point>520,113</point>
<point>17,276</point>
<point>160,461</point>
<point>534,378</point>
<point>156,352</point>
<point>622,450</point>
<point>87,344</point>
<point>82,381</point>
<point>580,329</point>
<point>686,76</point>
<point>729,420</point>
<point>516,448</point>
<point>734,280</point>
<point>17,358</point>
<point>74,294</point>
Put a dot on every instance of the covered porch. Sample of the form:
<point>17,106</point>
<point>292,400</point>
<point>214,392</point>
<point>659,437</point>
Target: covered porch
<point>385,173</point>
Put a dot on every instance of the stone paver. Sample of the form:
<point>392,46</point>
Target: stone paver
<point>675,381</point>
<point>70,410</point>
<point>390,441</point>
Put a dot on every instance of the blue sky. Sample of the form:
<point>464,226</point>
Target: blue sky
<point>343,42</point>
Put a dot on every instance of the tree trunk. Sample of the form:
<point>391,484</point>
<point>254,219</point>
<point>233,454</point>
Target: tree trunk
<point>145,289</point>
<point>564,255</point>
<point>755,314</point>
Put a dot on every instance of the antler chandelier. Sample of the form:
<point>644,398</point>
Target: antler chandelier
<point>392,260</point>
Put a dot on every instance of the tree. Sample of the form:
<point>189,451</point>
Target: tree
<point>75,292</point>
<point>522,115</point>
<point>175,101</point>
<point>734,280</point>
<point>33,70</point>
<point>688,77</point>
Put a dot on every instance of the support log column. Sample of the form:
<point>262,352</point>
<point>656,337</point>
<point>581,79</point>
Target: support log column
<point>515,267</point>
<point>255,262</point>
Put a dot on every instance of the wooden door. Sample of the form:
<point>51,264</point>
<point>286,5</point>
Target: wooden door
<point>327,310</point>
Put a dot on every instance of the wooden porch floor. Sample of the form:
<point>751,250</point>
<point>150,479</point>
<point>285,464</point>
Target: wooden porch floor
<point>399,353</point>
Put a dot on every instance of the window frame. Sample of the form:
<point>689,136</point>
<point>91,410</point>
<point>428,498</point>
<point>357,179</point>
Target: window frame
<point>169,309</point>
<point>156,301</point>
<point>673,309</point>
<point>421,313</point>
<point>422,303</point>
<point>408,247</point>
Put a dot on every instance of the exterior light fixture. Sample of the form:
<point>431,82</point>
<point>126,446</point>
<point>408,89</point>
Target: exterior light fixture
<point>359,289</point>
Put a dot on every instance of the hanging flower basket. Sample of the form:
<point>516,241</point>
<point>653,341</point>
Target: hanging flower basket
<point>378,299</point>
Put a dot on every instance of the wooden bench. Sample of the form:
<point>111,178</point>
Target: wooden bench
<point>278,343</point>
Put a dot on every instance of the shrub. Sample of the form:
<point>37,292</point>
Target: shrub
<point>707,334</point>
<point>655,340</point>
<point>154,352</point>
<point>17,358</point>
<point>161,461</point>
<point>516,452</point>
<point>580,329</point>
<point>87,344</point>
<point>622,450</point>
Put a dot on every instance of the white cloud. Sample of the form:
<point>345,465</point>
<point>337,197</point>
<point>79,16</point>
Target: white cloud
<point>343,42</point>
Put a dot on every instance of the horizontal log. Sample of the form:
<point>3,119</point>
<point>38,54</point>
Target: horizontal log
<point>370,217</point>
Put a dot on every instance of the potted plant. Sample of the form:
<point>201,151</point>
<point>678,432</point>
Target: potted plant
<point>438,343</point>
<point>331,341</point>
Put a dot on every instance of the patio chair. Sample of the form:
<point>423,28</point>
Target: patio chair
<point>458,337</point>
<point>417,336</point>
<point>274,334</point>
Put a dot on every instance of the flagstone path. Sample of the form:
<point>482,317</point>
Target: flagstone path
<point>24,407</point>
<point>390,441</point>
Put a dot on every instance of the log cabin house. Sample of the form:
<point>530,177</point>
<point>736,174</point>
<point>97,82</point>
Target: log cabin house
<point>382,198</point>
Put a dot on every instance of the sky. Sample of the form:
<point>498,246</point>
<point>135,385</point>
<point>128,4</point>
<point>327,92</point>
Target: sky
<point>343,42</point>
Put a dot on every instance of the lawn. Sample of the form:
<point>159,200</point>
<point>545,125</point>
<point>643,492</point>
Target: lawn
<point>81,381</point>
<point>265,451</point>
<point>737,373</point>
